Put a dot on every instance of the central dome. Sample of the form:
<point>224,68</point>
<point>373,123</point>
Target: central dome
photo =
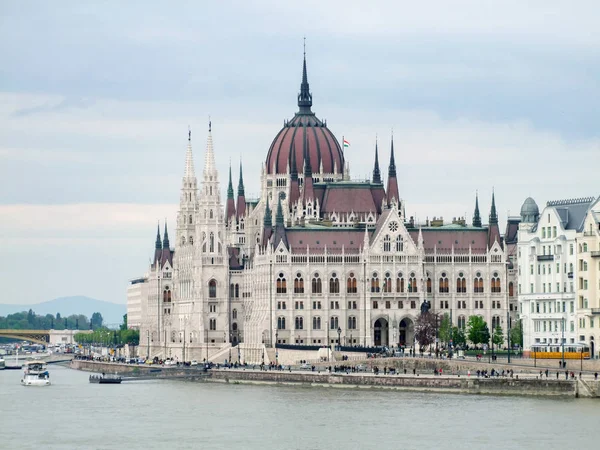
<point>308,138</point>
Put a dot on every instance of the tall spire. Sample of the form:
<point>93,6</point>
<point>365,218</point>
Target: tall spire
<point>209,157</point>
<point>241,182</point>
<point>493,214</point>
<point>158,244</point>
<point>241,199</point>
<point>376,171</point>
<point>293,165</point>
<point>392,168</point>
<point>166,238</point>
<point>230,205</point>
<point>304,97</point>
<point>230,186</point>
<point>279,216</point>
<point>189,159</point>
<point>476,216</point>
<point>268,220</point>
<point>392,193</point>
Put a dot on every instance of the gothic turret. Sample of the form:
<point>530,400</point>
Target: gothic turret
<point>158,243</point>
<point>166,244</point>
<point>186,232</point>
<point>493,214</point>
<point>230,206</point>
<point>494,230</point>
<point>304,97</point>
<point>376,171</point>
<point>393,196</point>
<point>241,199</point>
<point>476,216</point>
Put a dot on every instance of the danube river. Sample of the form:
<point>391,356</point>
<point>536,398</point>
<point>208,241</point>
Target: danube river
<point>73,414</point>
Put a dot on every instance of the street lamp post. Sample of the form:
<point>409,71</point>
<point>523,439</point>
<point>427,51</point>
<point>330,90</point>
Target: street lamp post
<point>276,349</point>
<point>563,342</point>
<point>339,330</point>
<point>148,346</point>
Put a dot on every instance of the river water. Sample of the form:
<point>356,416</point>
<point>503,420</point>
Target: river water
<point>74,414</point>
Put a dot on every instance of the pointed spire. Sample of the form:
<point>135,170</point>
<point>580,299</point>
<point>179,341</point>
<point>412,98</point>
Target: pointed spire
<point>166,238</point>
<point>493,214</point>
<point>209,157</point>
<point>304,97</point>
<point>293,166</point>
<point>268,220</point>
<point>230,186</point>
<point>376,171</point>
<point>158,244</point>
<point>476,216</point>
<point>241,182</point>
<point>392,168</point>
<point>279,216</point>
<point>189,158</point>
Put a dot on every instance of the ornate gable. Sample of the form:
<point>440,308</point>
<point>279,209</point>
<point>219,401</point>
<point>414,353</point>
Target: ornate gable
<point>391,236</point>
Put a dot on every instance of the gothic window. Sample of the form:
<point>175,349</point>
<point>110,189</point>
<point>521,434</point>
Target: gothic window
<point>191,240</point>
<point>211,214</point>
<point>351,287</point>
<point>443,284</point>
<point>317,286</point>
<point>234,314</point>
<point>429,287</point>
<point>461,284</point>
<point>182,240</point>
<point>299,323</point>
<point>299,284</point>
<point>204,242</point>
<point>334,284</point>
<point>231,290</point>
<point>412,284</point>
<point>511,289</point>
<point>333,323</point>
<point>167,295</point>
<point>281,284</point>
<point>495,322</point>
<point>212,243</point>
<point>210,190</point>
<point>400,282</point>
<point>399,243</point>
<point>190,219</point>
<point>281,323</point>
<point>478,283</point>
<point>352,323</point>
<point>237,290</point>
<point>375,283</point>
<point>387,283</point>
<point>212,323</point>
<point>461,322</point>
<point>387,243</point>
<point>496,283</point>
<point>316,323</point>
<point>212,288</point>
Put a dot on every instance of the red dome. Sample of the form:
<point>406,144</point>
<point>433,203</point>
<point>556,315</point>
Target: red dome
<point>307,137</point>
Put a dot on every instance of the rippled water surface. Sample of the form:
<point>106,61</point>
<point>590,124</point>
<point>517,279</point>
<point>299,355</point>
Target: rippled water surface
<point>73,414</point>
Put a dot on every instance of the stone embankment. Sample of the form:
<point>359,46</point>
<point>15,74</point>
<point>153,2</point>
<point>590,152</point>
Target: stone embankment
<point>460,384</point>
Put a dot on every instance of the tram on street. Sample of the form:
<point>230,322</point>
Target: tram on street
<point>555,351</point>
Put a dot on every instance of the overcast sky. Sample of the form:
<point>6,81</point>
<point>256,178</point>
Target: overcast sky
<point>96,99</point>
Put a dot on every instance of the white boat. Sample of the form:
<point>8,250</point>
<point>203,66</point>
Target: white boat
<point>35,374</point>
<point>2,363</point>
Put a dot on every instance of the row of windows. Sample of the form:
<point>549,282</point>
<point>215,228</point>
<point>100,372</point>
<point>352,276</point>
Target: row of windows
<point>316,304</point>
<point>316,323</point>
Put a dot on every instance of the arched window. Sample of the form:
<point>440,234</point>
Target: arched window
<point>281,323</point>
<point>212,242</point>
<point>299,323</point>
<point>585,247</point>
<point>333,323</point>
<point>570,267</point>
<point>511,289</point>
<point>167,295</point>
<point>387,243</point>
<point>317,285</point>
<point>429,287</point>
<point>212,288</point>
<point>400,282</point>
<point>182,240</point>
<point>461,322</point>
<point>412,284</point>
<point>234,314</point>
<point>212,324</point>
<point>211,214</point>
<point>231,290</point>
<point>316,323</point>
<point>478,283</point>
<point>237,290</point>
<point>190,214</point>
<point>352,323</point>
<point>461,284</point>
<point>387,283</point>
<point>299,284</point>
<point>334,284</point>
<point>351,287</point>
<point>191,240</point>
<point>443,284</point>
<point>495,323</point>
<point>399,243</point>
<point>281,284</point>
<point>375,283</point>
<point>496,283</point>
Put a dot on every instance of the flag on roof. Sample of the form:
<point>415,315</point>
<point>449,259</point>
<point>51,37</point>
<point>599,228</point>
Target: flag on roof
<point>346,143</point>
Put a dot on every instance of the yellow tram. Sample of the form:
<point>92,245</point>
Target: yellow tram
<point>555,351</point>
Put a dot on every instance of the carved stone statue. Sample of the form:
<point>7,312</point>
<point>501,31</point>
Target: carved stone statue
<point>425,306</point>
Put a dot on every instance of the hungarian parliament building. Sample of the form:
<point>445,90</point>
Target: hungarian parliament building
<point>320,259</point>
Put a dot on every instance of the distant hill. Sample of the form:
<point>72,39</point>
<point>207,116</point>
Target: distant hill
<point>112,313</point>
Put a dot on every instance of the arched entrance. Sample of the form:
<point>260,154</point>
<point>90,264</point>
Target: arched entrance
<point>381,331</point>
<point>406,332</point>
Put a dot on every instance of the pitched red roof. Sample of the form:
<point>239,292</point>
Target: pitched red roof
<point>332,238</point>
<point>443,239</point>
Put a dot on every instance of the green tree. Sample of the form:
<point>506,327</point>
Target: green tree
<point>477,330</point>
<point>498,336</point>
<point>445,331</point>
<point>97,320</point>
<point>516,334</point>
<point>124,324</point>
<point>458,337</point>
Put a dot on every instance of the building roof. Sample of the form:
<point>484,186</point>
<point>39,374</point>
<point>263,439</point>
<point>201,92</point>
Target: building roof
<point>572,212</point>
<point>319,237</point>
<point>444,238</point>
<point>347,197</point>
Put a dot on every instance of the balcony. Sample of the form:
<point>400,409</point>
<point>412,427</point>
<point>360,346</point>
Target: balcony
<point>595,253</point>
<point>595,310</point>
<point>545,257</point>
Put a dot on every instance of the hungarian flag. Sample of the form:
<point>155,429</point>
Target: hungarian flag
<point>346,143</point>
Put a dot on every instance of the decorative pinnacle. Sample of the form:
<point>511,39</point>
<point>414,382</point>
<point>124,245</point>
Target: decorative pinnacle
<point>376,171</point>
<point>476,216</point>
<point>230,186</point>
<point>158,244</point>
<point>493,214</point>
<point>241,182</point>
<point>392,168</point>
<point>305,97</point>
